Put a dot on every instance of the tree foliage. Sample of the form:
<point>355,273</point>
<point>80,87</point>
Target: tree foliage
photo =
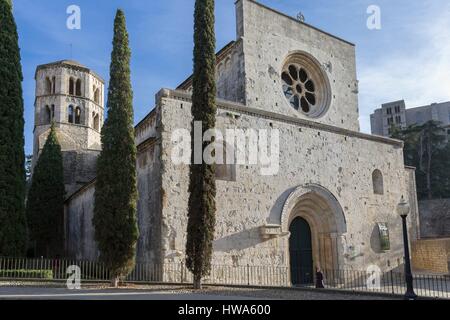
<point>45,205</point>
<point>202,187</point>
<point>427,149</point>
<point>115,222</point>
<point>12,158</point>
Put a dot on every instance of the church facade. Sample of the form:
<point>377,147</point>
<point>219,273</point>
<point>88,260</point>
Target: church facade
<point>332,202</point>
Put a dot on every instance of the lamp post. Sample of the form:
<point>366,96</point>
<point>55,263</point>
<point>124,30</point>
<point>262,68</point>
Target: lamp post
<point>403,210</point>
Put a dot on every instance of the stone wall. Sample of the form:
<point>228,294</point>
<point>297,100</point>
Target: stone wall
<point>149,189</point>
<point>80,234</point>
<point>434,218</point>
<point>341,161</point>
<point>431,255</point>
<point>79,207</point>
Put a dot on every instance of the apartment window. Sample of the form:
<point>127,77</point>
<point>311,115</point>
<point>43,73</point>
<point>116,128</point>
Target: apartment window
<point>397,109</point>
<point>398,119</point>
<point>389,111</point>
<point>390,121</point>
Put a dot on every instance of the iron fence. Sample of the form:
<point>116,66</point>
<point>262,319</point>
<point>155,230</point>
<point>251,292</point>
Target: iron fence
<point>257,276</point>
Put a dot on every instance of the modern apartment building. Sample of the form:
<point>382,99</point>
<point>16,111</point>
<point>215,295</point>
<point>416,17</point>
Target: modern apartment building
<point>395,113</point>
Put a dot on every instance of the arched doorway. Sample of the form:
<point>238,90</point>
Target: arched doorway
<point>323,220</point>
<point>301,252</point>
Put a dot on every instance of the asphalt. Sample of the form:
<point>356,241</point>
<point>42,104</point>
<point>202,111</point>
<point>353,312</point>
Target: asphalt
<point>30,293</point>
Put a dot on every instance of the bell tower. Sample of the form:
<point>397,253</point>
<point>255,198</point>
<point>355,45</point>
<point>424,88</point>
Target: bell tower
<point>72,97</point>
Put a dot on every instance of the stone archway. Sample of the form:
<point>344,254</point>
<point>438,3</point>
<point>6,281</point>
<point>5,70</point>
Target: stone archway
<point>323,213</point>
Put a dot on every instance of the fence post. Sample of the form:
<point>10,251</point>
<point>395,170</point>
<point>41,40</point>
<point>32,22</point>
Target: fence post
<point>392,281</point>
<point>182,272</point>
<point>248,274</point>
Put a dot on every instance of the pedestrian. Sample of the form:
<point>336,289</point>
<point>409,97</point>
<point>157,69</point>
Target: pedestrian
<point>319,279</point>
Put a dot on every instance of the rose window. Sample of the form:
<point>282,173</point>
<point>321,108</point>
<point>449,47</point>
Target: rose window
<point>299,88</point>
<point>305,86</point>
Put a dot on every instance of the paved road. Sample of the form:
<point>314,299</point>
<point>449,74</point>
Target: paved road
<point>26,293</point>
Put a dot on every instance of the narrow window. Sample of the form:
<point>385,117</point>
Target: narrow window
<point>97,122</point>
<point>97,96</point>
<point>47,115</point>
<point>53,112</point>
<point>78,115</point>
<point>48,86</point>
<point>78,91</point>
<point>54,85</point>
<point>377,180</point>
<point>71,116</point>
<point>71,86</point>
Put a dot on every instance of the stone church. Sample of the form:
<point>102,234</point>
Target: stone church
<point>331,204</point>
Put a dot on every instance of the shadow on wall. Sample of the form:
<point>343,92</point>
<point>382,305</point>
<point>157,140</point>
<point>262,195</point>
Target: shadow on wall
<point>375,241</point>
<point>238,241</point>
<point>275,212</point>
<point>434,218</point>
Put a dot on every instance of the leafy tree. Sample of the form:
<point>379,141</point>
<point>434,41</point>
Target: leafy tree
<point>425,149</point>
<point>12,158</point>
<point>441,179</point>
<point>202,187</point>
<point>115,221</point>
<point>45,205</point>
<point>430,141</point>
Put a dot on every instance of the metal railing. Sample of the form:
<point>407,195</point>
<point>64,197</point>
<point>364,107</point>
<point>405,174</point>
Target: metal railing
<point>258,276</point>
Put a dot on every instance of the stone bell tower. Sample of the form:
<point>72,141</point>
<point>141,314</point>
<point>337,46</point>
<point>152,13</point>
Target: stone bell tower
<point>71,96</point>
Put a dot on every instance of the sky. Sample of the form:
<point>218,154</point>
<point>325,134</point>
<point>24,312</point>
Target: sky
<point>408,58</point>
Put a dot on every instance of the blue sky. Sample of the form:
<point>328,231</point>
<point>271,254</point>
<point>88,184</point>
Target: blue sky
<point>409,58</point>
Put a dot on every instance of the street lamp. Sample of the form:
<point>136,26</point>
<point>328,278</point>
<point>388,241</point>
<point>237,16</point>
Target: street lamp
<point>403,210</point>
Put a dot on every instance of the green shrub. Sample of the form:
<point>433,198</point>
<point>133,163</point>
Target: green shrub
<point>27,274</point>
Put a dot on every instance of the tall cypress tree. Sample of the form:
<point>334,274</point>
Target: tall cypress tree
<point>45,205</point>
<point>115,221</point>
<point>202,187</point>
<point>12,157</point>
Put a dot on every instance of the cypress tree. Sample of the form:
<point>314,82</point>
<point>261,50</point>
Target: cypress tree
<point>12,157</point>
<point>202,187</point>
<point>45,205</point>
<point>115,221</point>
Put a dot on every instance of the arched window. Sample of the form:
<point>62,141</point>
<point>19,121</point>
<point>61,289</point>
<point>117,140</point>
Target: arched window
<point>71,86</point>
<point>96,122</point>
<point>78,115</point>
<point>54,85</point>
<point>78,89</point>
<point>377,180</point>
<point>97,96</point>
<point>48,86</point>
<point>71,115</point>
<point>47,115</point>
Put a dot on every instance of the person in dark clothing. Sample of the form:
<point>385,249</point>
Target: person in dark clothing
<point>319,279</point>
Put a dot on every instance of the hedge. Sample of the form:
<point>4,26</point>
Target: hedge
<point>27,274</point>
